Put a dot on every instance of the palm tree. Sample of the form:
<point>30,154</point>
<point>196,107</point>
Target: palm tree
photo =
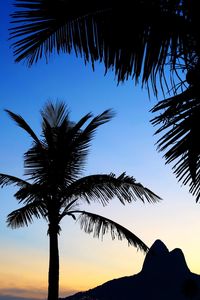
<point>142,40</point>
<point>54,187</point>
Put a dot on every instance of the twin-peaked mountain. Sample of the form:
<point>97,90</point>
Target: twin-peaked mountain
<point>164,276</point>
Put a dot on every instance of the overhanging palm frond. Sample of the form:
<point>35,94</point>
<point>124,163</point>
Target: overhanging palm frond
<point>133,39</point>
<point>24,215</point>
<point>180,123</point>
<point>43,23</point>
<point>99,226</point>
<point>6,179</point>
<point>22,123</point>
<point>104,187</point>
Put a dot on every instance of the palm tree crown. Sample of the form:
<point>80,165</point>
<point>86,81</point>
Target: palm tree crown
<point>54,187</point>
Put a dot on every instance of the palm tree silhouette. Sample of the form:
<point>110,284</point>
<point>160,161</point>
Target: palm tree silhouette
<point>54,187</point>
<point>145,40</point>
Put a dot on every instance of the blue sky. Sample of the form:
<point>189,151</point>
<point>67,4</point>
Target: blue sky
<point>124,144</point>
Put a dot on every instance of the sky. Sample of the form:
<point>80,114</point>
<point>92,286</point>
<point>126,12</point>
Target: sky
<point>126,143</point>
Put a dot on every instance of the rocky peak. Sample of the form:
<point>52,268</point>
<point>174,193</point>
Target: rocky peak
<point>164,276</point>
<point>160,260</point>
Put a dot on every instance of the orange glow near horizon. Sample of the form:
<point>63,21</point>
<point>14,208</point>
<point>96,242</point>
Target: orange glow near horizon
<point>75,276</point>
<point>86,262</point>
<point>21,276</point>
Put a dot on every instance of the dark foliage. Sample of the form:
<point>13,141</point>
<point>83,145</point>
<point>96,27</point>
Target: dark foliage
<point>179,122</point>
<point>133,39</point>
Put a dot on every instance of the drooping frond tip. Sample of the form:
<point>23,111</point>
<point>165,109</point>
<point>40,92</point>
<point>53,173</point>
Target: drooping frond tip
<point>104,187</point>
<point>136,190</point>
<point>23,124</point>
<point>99,226</point>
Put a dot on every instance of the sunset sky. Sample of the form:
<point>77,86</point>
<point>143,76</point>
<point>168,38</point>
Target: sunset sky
<point>124,144</point>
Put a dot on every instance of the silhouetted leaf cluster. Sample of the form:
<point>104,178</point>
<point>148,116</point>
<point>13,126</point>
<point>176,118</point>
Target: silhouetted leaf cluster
<point>54,165</point>
<point>132,38</point>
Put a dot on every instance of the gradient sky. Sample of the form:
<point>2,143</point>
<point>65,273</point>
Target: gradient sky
<point>124,144</point>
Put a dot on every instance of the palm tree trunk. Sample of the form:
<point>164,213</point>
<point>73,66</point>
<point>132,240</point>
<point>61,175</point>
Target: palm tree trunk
<point>53,283</point>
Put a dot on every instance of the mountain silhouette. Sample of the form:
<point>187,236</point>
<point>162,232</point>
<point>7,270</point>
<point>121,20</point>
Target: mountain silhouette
<point>164,276</point>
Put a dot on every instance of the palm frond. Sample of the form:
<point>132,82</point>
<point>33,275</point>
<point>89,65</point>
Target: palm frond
<point>77,127</point>
<point>133,40</point>
<point>179,123</point>
<point>24,215</point>
<point>103,188</point>
<point>76,143</point>
<point>52,22</point>
<point>86,135</point>
<point>71,206</point>
<point>22,123</point>
<point>31,193</point>
<point>36,163</point>
<point>27,192</point>
<point>99,226</point>
<point>6,179</point>
<point>55,114</point>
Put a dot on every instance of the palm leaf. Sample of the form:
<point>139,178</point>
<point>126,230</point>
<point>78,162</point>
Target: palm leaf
<point>76,143</point>
<point>85,136</point>
<point>59,141</point>
<point>99,226</point>
<point>22,123</point>
<point>24,215</point>
<point>12,180</point>
<point>104,187</point>
<point>179,123</point>
<point>55,114</point>
<point>31,193</point>
<point>133,40</point>
<point>76,128</point>
<point>36,163</point>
